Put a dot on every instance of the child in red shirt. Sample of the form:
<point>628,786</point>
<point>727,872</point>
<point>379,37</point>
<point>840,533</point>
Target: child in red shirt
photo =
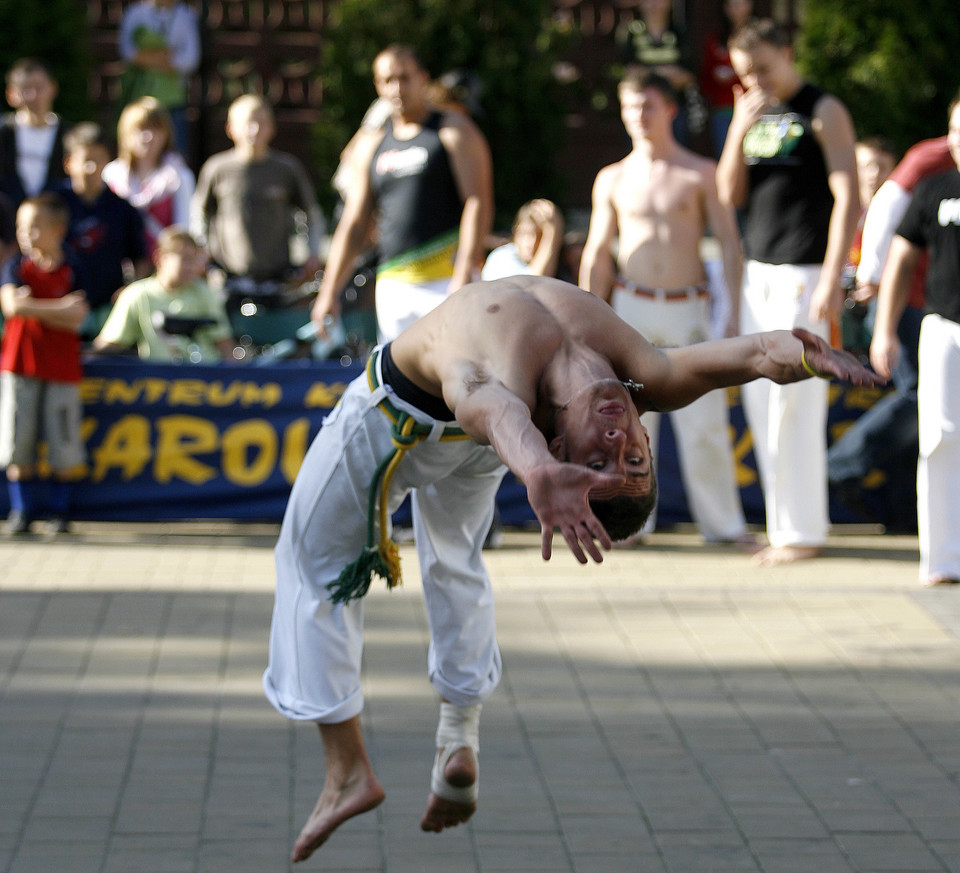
<point>40,368</point>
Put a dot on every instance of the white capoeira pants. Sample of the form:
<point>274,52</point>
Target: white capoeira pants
<point>788,422</point>
<point>702,429</point>
<point>400,304</point>
<point>316,645</point>
<point>938,469</point>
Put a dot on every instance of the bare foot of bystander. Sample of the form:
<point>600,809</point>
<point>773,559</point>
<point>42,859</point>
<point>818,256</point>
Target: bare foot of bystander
<point>774,556</point>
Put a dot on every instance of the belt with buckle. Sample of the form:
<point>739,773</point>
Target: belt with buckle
<point>690,292</point>
<point>439,430</point>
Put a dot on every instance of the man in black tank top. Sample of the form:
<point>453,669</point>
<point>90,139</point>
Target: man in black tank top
<point>789,162</point>
<point>426,176</point>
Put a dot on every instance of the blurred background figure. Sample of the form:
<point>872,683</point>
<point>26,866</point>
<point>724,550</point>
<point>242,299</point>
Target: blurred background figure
<point>42,299</point>
<point>424,182</point>
<point>148,171</point>
<point>160,44</point>
<point>789,160</point>
<point>173,315</point>
<point>247,199</point>
<point>534,248</point>
<point>251,205</point>
<point>105,232</point>
<point>931,222</point>
<point>886,436</point>
<point>876,158</point>
<point>660,45</point>
<point>31,137</point>
<point>717,76</point>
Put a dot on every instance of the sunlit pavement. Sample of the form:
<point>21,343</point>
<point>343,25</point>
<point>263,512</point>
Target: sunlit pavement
<point>674,709</point>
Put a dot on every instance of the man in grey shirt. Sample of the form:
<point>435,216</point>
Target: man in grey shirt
<point>246,199</point>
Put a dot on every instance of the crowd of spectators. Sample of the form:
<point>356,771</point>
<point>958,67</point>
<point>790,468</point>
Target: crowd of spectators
<point>170,263</point>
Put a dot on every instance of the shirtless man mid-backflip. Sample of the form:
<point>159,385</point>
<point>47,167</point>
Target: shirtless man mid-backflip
<point>526,373</point>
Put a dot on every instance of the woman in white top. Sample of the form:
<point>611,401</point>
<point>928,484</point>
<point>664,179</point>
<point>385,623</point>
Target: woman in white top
<point>148,171</point>
<point>534,248</point>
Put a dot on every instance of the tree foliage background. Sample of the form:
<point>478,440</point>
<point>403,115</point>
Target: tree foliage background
<point>512,45</point>
<point>55,31</point>
<point>893,63</point>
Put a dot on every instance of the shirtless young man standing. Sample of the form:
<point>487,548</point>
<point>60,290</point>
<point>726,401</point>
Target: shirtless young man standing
<point>526,373</point>
<point>658,201</point>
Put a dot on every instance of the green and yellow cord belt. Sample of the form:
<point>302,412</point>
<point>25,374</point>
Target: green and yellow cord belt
<point>381,557</point>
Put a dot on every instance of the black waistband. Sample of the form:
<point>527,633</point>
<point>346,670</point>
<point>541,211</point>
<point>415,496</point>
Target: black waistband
<point>410,393</point>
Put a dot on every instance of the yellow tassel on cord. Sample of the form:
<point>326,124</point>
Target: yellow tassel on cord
<point>390,554</point>
<point>383,557</point>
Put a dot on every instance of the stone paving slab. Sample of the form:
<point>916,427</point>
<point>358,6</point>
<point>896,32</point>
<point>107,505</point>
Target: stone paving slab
<point>674,709</point>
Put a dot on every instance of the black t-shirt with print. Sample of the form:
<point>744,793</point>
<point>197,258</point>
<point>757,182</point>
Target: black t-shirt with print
<point>932,220</point>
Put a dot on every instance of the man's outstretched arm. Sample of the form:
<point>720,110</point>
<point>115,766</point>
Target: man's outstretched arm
<point>557,491</point>
<point>686,373</point>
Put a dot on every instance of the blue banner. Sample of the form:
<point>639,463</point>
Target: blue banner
<point>167,441</point>
<point>218,441</point>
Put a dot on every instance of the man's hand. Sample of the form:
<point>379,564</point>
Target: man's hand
<point>558,493</point>
<point>75,308</point>
<point>826,300</point>
<point>325,312</point>
<point>865,292</point>
<point>830,363</point>
<point>885,353</point>
<point>749,106</point>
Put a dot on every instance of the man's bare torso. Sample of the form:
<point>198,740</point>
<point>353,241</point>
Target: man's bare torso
<point>509,331</point>
<point>660,217</point>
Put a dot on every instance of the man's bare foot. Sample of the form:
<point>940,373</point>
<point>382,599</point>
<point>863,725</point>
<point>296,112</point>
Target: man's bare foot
<point>357,794</point>
<point>940,579</point>
<point>460,772</point>
<point>773,556</point>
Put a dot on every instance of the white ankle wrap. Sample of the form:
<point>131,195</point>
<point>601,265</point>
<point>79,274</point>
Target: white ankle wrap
<point>459,728</point>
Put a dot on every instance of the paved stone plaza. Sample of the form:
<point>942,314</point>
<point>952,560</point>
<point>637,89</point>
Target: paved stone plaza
<point>674,709</point>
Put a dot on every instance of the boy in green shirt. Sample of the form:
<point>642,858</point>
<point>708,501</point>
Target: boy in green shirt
<point>145,311</point>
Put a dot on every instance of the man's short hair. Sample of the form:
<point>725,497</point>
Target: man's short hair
<point>402,50</point>
<point>763,30</point>
<point>50,204</point>
<point>637,79</point>
<point>85,135</point>
<point>623,515</point>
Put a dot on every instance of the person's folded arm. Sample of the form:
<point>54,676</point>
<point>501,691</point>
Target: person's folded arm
<point>64,313</point>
